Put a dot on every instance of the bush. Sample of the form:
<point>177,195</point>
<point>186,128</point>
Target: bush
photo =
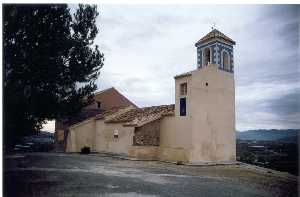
<point>85,150</point>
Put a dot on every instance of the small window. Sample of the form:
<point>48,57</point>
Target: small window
<point>183,89</point>
<point>225,60</point>
<point>206,55</point>
<point>182,107</point>
<point>116,134</point>
<point>99,105</point>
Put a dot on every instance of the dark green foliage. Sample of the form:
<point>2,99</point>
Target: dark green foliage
<point>50,64</point>
<point>85,150</point>
<point>276,154</point>
<point>248,157</point>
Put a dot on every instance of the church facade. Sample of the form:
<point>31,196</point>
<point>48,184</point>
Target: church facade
<point>200,127</point>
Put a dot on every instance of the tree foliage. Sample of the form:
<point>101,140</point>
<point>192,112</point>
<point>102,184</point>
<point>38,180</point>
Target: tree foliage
<point>50,64</point>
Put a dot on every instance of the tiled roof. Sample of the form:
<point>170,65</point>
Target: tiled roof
<point>183,75</point>
<point>215,34</point>
<point>111,102</point>
<point>141,116</point>
<point>113,112</point>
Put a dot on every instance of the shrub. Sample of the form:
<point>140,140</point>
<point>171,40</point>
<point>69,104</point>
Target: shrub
<point>85,150</point>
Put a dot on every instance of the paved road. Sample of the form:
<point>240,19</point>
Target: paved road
<point>53,174</point>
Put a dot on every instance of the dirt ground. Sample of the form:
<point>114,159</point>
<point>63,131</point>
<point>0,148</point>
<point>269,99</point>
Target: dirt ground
<point>57,174</point>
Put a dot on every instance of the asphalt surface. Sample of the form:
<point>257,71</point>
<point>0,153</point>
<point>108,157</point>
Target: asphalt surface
<point>54,174</point>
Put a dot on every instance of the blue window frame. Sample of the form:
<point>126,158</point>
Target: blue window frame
<point>182,106</point>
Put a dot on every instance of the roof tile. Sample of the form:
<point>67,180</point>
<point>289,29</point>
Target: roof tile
<point>140,116</point>
<point>215,34</point>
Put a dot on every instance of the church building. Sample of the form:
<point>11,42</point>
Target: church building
<point>200,127</point>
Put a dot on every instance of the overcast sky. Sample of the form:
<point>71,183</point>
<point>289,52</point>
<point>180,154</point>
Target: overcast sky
<point>145,46</point>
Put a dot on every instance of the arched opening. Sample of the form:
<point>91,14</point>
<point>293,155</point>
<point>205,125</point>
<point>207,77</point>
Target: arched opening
<point>206,56</point>
<point>225,61</point>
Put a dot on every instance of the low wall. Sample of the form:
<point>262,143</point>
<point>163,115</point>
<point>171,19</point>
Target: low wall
<point>144,152</point>
<point>173,154</point>
<point>158,153</point>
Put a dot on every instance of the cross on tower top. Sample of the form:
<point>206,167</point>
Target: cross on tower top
<point>213,26</point>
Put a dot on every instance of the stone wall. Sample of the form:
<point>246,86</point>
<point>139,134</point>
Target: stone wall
<point>144,152</point>
<point>147,135</point>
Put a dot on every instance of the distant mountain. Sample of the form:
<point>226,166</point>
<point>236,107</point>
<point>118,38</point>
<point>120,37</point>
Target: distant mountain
<point>286,135</point>
<point>45,134</point>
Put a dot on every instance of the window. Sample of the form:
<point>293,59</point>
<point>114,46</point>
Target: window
<point>99,104</point>
<point>206,56</point>
<point>183,89</point>
<point>116,134</point>
<point>182,106</point>
<point>225,60</point>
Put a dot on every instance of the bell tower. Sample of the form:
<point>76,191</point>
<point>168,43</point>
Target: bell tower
<point>205,101</point>
<point>215,48</point>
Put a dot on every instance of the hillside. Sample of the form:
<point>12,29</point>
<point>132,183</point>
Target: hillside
<point>288,135</point>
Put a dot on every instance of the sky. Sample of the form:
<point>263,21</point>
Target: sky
<point>145,46</point>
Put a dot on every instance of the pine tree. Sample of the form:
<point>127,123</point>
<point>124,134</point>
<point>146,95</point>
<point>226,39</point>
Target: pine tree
<point>50,64</point>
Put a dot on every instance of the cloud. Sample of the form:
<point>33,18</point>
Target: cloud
<point>145,46</point>
<point>284,105</point>
<point>267,69</point>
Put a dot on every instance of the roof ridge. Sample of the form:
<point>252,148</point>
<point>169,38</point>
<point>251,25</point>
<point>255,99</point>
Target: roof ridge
<point>118,92</point>
<point>104,90</point>
<point>164,105</point>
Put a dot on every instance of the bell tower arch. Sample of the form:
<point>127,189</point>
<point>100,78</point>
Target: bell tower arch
<point>215,48</point>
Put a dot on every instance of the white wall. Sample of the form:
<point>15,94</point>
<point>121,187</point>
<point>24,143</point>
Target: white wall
<point>80,135</point>
<point>175,138</point>
<point>105,140</point>
<point>213,115</point>
<point>206,134</point>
